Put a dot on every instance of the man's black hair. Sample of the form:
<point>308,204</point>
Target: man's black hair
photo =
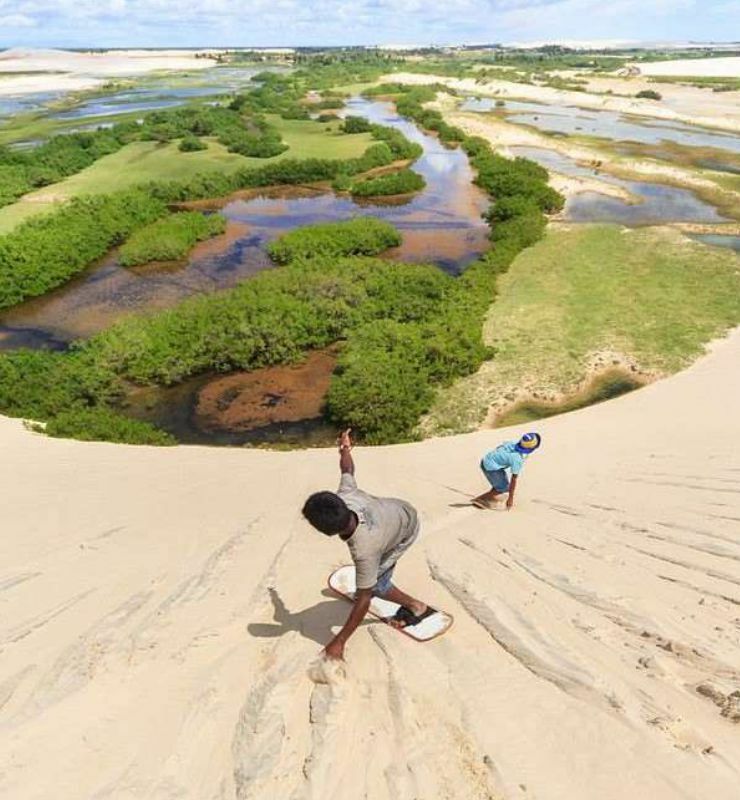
<point>327,512</point>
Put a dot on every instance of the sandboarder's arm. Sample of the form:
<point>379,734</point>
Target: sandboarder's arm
<point>512,489</point>
<point>346,464</point>
<point>335,648</point>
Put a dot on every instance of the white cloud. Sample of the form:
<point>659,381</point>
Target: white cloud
<point>17,21</point>
<point>199,22</point>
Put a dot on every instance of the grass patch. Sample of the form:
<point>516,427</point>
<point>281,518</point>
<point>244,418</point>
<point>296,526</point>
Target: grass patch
<point>649,295</point>
<point>140,162</point>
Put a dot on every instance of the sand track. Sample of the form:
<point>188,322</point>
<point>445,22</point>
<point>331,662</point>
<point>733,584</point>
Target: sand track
<point>160,609</point>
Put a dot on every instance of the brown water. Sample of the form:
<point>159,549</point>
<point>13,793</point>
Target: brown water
<point>276,405</point>
<point>441,224</point>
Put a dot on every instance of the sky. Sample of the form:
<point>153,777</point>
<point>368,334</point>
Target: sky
<point>200,23</point>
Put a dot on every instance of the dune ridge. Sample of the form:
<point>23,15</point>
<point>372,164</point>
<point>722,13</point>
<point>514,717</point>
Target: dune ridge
<point>161,609</point>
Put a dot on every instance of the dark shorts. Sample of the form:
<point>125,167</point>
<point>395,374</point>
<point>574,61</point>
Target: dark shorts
<point>384,583</point>
<point>498,479</point>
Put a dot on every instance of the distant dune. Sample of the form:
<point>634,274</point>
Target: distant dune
<point>61,70</point>
<point>728,67</point>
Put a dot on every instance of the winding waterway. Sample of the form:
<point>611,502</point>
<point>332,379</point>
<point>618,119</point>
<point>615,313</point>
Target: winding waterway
<point>441,224</point>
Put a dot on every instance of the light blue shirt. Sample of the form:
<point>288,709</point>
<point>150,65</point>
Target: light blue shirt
<point>505,456</point>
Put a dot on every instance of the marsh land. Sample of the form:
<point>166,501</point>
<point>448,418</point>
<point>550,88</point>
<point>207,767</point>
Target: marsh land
<point>643,195</point>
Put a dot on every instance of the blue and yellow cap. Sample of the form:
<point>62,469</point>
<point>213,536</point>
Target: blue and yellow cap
<point>529,443</point>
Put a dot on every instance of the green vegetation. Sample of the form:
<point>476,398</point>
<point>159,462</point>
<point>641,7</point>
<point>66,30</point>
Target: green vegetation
<point>39,385</point>
<point>43,253</point>
<point>21,171</point>
<point>67,154</point>
<point>191,144</point>
<point>410,102</point>
<point>407,329</point>
<point>386,375</point>
<point>390,146</point>
<point>649,94</point>
<point>648,296</point>
<point>654,293</point>
<point>353,124</point>
<point>715,84</point>
<point>139,162</point>
<point>103,425</point>
<point>171,238</point>
<point>363,236</point>
<point>403,181</point>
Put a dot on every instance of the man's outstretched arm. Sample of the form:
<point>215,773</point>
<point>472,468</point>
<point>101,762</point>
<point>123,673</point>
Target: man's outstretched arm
<point>346,464</point>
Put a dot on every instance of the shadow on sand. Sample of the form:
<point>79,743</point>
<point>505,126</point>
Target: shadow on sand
<point>314,623</point>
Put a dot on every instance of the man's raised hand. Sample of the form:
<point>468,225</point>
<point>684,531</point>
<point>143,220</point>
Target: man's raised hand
<point>345,439</point>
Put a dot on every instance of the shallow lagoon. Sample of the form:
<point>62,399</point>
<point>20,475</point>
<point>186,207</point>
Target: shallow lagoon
<point>656,203</point>
<point>442,224</point>
<point>152,94</point>
<point>612,125</point>
<point>718,240</point>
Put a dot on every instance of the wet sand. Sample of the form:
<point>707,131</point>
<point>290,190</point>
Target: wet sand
<point>681,103</point>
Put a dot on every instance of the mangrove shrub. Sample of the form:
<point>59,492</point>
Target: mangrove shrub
<point>171,238</point>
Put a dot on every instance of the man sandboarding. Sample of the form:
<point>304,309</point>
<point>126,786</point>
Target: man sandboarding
<point>494,464</point>
<point>378,531</point>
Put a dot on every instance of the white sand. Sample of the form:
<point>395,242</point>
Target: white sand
<point>504,135</point>
<point>68,71</point>
<point>728,67</point>
<point>680,103</point>
<point>160,609</point>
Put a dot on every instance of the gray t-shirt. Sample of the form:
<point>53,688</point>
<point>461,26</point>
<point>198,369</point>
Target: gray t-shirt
<point>387,527</point>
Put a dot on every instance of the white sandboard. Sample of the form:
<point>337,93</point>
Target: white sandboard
<point>342,582</point>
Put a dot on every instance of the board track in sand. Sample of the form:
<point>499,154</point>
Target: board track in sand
<point>160,608</point>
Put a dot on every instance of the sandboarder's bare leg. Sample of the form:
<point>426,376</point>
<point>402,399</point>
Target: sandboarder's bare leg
<point>395,595</point>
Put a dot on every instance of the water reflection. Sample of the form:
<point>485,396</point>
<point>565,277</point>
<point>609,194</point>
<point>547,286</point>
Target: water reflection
<point>162,94</point>
<point>718,240</point>
<point>612,125</point>
<point>441,225</point>
<point>655,204</point>
<point>25,102</point>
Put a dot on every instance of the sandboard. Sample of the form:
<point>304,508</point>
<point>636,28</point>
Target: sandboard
<point>342,583</point>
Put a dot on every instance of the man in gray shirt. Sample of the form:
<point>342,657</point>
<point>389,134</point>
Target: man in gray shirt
<point>378,531</point>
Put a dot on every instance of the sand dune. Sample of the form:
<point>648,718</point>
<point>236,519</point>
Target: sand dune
<point>67,71</point>
<point>161,607</point>
<point>727,67</point>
